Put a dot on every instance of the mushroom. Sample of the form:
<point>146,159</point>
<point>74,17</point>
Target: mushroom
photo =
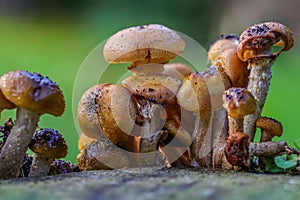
<point>4,103</point>
<point>269,128</point>
<point>47,144</point>
<point>87,112</point>
<point>255,46</point>
<point>102,155</point>
<point>60,167</point>
<point>235,69</point>
<point>221,44</point>
<point>116,115</point>
<point>34,95</point>
<point>201,94</point>
<point>152,43</point>
<point>238,102</point>
<point>239,150</point>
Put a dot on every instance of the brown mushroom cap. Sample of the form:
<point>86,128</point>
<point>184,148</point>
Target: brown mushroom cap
<point>239,102</point>
<point>4,103</point>
<point>151,43</point>
<point>234,68</point>
<point>237,149</point>
<point>116,115</point>
<point>87,112</point>
<point>33,91</point>
<point>102,155</point>
<point>49,143</point>
<point>269,125</point>
<point>259,39</point>
<point>222,43</point>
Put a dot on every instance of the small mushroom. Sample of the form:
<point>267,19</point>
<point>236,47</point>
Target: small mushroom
<point>4,103</point>
<point>47,144</point>
<point>255,46</point>
<point>60,167</point>
<point>221,44</point>
<point>152,43</point>
<point>269,128</point>
<point>238,102</point>
<point>239,150</point>
<point>34,95</point>
<point>102,155</point>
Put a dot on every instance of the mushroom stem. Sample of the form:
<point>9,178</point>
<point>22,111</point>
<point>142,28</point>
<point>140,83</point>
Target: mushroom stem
<point>235,125</point>
<point>40,166</point>
<point>259,82</point>
<point>266,148</point>
<point>13,151</point>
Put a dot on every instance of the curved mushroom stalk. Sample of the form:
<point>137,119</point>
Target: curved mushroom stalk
<point>255,46</point>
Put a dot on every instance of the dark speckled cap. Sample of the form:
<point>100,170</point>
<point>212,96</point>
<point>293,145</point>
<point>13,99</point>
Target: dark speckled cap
<point>33,91</point>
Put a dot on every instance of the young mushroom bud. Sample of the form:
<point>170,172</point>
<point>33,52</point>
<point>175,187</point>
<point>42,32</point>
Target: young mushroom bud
<point>221,44</point>
<point>239,150</point>
<point>34,95</point>
<point>255,46</point>
<point>269,128</point>
<point>4,103</point>
<point>152,43</point>
<point>47,144</point>
<point>238,102</point>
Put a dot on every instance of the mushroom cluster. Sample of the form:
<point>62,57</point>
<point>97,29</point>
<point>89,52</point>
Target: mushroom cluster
<point>185,118</point>
<point>33,95</point>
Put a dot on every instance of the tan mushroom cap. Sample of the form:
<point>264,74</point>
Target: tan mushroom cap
<point>234,68</point>
<point>269,125</point>
<point>33,91</point>
<point>221,44</point>
<point>4,103</point>
<point>239,102</point>
<point>116,115</point>
<point>87,112</point>
<point>102,155</point>
<point>151,43</point>
<point>49,143</point>
<point>259,39</point>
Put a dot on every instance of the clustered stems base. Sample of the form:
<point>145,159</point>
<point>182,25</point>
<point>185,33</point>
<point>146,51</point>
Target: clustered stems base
<point>259,82</point>
<point>40,166</point>
<point>16,145</point>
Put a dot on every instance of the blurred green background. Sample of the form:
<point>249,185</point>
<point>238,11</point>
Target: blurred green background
<point>53,37</point>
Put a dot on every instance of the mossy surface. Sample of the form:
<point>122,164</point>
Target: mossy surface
<point>153,183</point>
